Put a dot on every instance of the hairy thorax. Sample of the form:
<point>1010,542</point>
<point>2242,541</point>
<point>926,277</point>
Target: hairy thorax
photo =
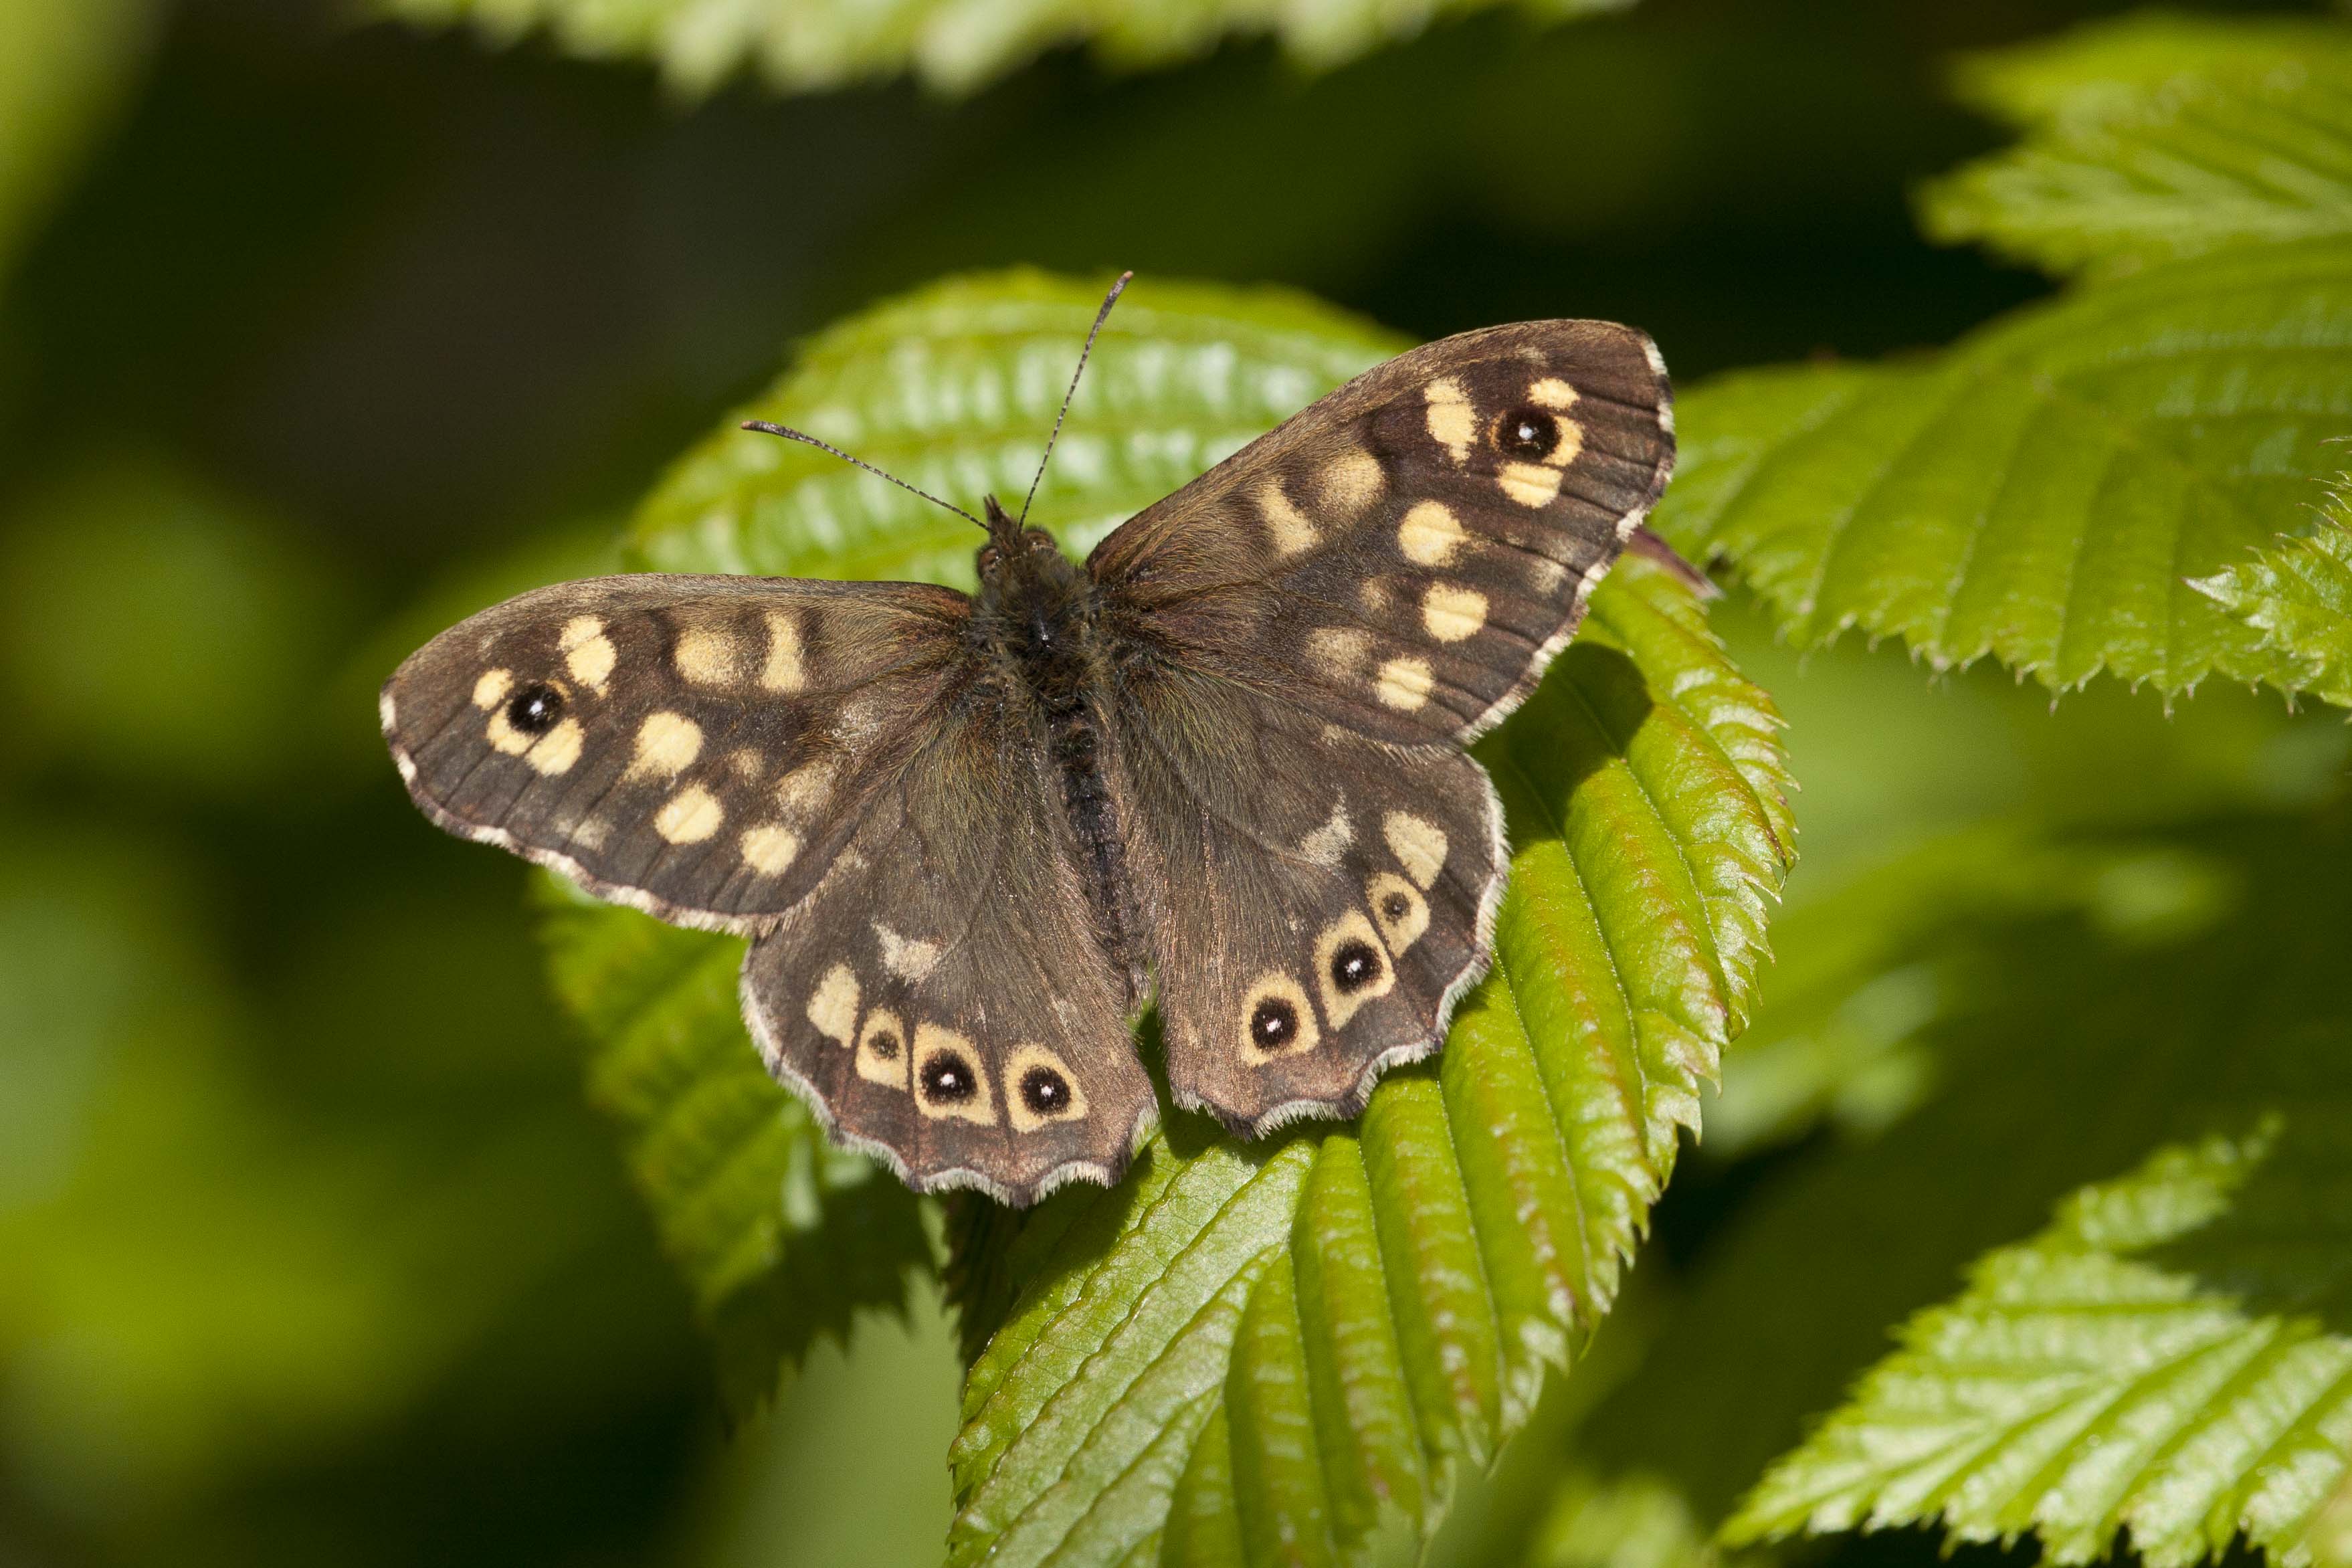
<point>1037,621</point>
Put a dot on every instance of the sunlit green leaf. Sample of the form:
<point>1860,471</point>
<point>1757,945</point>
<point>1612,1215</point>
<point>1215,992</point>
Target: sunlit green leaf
<point>2043,491</point>
<point>2086,1383</point>
<point>1307,1341</point>
<point>955,389</point>
<point>1447,1249</point>
<point>954,46</point>
<point>2298,594</point>
<point>2158,137</point>
<point>2075,1040</point>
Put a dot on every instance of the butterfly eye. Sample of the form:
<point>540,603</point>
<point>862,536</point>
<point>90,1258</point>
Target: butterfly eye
<point>1354,966</point>
<point>1045,1091</point>
<point>1527,434</point>
<point>535,708</point>
<point>1274,1024</point>
<point>948,1079</point>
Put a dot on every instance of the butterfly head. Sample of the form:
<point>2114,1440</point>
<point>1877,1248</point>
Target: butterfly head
<point>1011,546</point>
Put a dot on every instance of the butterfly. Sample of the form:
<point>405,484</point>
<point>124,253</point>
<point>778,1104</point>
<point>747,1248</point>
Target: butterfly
<point>1218,768</point>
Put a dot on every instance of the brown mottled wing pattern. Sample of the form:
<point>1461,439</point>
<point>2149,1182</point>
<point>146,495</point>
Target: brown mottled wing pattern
<point>699,747</point>
<point>1406,555</point>
<point>1308,634</point>
<point>1318,897</point>
<point>831,769</point>
<point>942,995</point>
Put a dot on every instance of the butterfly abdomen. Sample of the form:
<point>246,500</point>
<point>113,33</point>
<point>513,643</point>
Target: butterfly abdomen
<point>1037,613</point>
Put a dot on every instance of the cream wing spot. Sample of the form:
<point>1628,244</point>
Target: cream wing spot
<point>1353,481</point>
<point>587,652</point>
<point>769,848</point>
<point>832,1007</point>
<point>1405,684</point>
<point>707,656</point>
<point>905,957</point>
<point>1530,484</point>
<point>1324,845</point>
<point>1453,424</point>
<point>1419,845</point>
<point>1452,614</point>
<point>785,670</point>
<point>689,816</point>
<point>1291,531</point>
<point>504,736</point>
<point>805,788</point>
<point>1430,534</point>
<point>1399,909</point>
<point>1350,969</point>
<point>1276,1019</point>
<point>1552,393</point>
<point>882,1050</point>
<point>949,1081</point>
<point>1041,1089</point>
<point>555,752</point>
<point>667,744</point>
<point>1340,652</point>
<point>492,688</point>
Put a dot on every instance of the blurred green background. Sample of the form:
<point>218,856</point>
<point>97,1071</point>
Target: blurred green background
<point>315,333</point>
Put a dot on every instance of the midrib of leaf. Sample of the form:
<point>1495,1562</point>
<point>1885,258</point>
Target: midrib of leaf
<point>1496,1194</point>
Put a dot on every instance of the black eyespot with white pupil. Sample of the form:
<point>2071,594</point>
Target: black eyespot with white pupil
<point>1045,1091</point>
<point>883,1045</point>
<point>948,1079</point>
<point>1396,906</point>
<point>1354,965</point>
<point>535,708</point>
<point>1274,1024</point>
<point>1527,435</point>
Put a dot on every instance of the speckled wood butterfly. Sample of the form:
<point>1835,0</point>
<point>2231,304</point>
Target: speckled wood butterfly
<point>1220,766</point>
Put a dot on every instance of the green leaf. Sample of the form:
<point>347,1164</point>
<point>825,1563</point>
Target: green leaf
<point>2158,137</point>
<point>1296,1347</point>
<point>1504,1185</point>
<point>954,389</point>
<point>2081,1386</point>
<point>952,46</point>
<point>2043,491</point>
<point>2298,594</point>
<point>781,1235</point>
<point>2068,1043</point>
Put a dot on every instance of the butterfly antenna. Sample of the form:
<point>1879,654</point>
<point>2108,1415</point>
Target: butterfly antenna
<point>1100,317</point>
<point>789,433</point>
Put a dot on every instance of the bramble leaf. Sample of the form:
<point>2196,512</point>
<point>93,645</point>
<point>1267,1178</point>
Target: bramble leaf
<point>1304,1342</point>
<point>2298,594</point>
<point>2156,136</point>
<point>952,46</point>
<point>2087,1382</point>
<point>2043,491</point>
<point>1377,1302</point>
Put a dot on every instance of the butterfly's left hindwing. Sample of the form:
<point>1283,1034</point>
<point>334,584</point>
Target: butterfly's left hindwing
<point>697,746</point>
